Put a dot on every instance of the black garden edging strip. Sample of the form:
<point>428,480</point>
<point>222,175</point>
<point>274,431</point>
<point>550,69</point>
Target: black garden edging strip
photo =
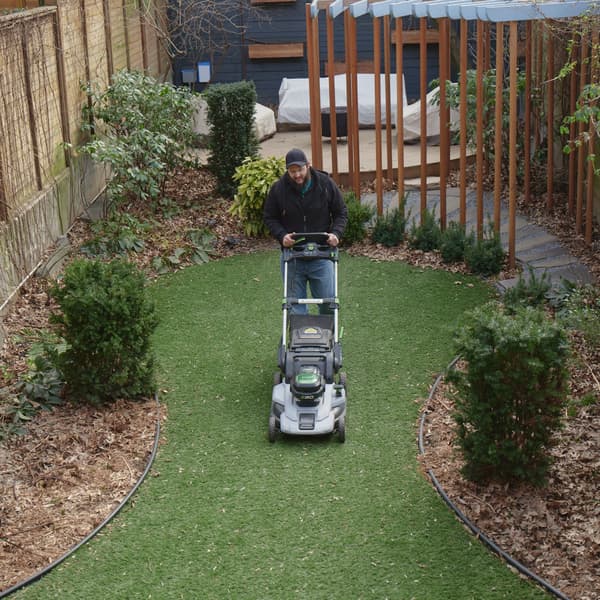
<point>472,527</point>
<point>106,521</point>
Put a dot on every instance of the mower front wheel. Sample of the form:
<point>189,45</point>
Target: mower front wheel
<point>272,428</point>
<point>341,429</point>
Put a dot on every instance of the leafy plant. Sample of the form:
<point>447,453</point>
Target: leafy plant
<point>453,242</point>
<point>106,321</point>
<point>230,112</point>
<point>359,215</point>
<point>485,256</point>
<point>427,235</point>
<point>118,235</point>
<point>581,311</point>
<point>528,291</point>
<point>140,128</point>
<point>389,229</point>
<point>254,178</point>
<point>197,250</point>
<point>510,397</point>
<point>488,108</point>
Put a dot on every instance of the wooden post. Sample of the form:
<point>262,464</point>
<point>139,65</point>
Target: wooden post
<point>387,61</point>
<point>512,149</point>
<point>464,59</point>
<point>582,150</point>
<point>527,141</point>
<point>312,43</point>
<point>400,108</point>
<point>332,100</point>
<point>423,111</point>
<point>377,80</point>
<point>498,130</point>
<point>572,129</point>
<point>589,202</point>
<point>353,74</point>
<point>443,50</point>
<point>349,112</point>
<point>479,128</point>
<point>550,123</point>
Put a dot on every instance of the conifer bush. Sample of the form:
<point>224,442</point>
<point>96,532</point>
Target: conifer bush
<point>390,228</point>
<point>510,397</point>
<point>106,321</point>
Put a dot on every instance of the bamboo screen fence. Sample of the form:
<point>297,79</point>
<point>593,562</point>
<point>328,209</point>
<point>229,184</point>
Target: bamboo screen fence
<point>505,38</point>
<point>47,56</point>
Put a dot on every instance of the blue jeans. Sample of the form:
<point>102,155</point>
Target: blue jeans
<point>318,274</point>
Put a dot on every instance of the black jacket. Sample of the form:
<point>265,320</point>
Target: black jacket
<point>321,209</point>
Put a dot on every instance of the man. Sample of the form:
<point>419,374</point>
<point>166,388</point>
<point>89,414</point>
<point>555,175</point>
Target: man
<point>304,200</point>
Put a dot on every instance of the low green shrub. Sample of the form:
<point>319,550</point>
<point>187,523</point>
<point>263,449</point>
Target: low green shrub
<point>427,235</point>
<point>510,397</point>
<point>390,228</point>
<point>106,321</point>
<point>485,256</point>
<point>581,311</point>
<point>254,177</point>
<point>453,242</point>
<point>528,291</point>
<point>232,138</point>
<point>359,216</point>
<point>117,235</point>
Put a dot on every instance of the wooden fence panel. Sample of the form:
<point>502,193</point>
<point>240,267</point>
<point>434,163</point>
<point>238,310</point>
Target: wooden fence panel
<point>74,60</point>
<point>96,42</point>
<point>118,37</point>
<point>16,144</point>
<point>45,98</point>
<point>134,35</point>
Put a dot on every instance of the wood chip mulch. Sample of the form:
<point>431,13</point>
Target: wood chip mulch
<point>76,464</point>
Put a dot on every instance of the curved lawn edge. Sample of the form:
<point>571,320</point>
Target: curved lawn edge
<point>463,518</point>
<point>36,576</point>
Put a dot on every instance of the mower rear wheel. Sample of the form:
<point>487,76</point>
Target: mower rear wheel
<point>277,379</point>
<point>343,381</point>
<point>341,429</point>
<point>272,428</point>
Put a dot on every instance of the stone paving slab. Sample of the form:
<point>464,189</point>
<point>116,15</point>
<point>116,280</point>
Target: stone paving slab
<point>534,246</point>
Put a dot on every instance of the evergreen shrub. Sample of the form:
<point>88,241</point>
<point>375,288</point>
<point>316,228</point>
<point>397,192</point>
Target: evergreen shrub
<point>453,242</point>
<point>427,235</point>
<point>390,228</point>
<point>232,138</point>
<point>485,256</point>
<point>510,398</point>
<point>359,216</point>
<point>106,321</point>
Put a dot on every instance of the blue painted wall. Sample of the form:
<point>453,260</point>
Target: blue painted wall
<point>287,24</point>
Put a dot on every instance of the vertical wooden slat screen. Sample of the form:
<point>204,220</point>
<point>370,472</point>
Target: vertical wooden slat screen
<point>332,100</point>
<point>550,121</point>
<point>378,137</point>
<point>512,144</point>
<point>479,150</point>
<point>572,190</point>
<point>400,106</point>
<point>582,150</point>
<point>499,109</point>
<point>423,113</point>
<point>464,34</point>
<point>527,141</point>
<point>444,57</point>
<point>387,62</point>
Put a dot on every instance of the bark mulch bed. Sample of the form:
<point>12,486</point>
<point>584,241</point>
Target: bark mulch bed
<point>76,464</point>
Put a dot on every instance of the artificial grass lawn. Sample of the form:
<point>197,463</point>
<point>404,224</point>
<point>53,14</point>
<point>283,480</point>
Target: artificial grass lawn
<point>228,515</point>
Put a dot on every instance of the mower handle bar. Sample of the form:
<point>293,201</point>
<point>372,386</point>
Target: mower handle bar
<point>310,246</point>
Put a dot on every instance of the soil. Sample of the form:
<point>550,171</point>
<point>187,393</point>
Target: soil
<point>76,464</point>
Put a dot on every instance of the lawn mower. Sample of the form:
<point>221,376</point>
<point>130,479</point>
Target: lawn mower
<point>309,391</point>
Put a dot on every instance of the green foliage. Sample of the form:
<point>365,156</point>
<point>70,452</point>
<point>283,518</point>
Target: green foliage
<point>580,310</point>
<point>140,128</point>
<point>427,235</point>
<point>254,177</point>
<point>488,109</point>
<point>453,243</point>
<point>485,256</point>
<point>118,235</point>
<point>106,321</point>
<point>389,229</point>
<point>230,113</point>
<point>40,388</point>
<point>199,245</point>
<point>528,291</point>
<point>358,216</point>
<point>510,397</point>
